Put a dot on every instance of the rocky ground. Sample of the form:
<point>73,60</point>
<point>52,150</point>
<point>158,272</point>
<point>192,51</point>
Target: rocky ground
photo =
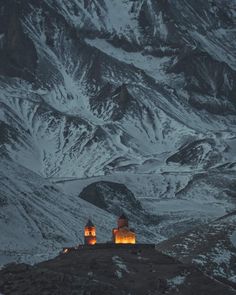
<point>139,269</point>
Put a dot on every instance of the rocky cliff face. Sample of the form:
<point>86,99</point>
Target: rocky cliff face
<point>139,93</point>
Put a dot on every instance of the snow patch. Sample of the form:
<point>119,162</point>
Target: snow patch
<point>222,256</point>
<point>199,261</point>
<point>153,66</point>
<point>176,281</point>
<point>121,267</point>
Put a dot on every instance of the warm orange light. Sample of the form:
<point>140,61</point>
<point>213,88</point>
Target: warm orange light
<point>125,240</point>
<point>91,241</point>
<point>90,231</point>
<point>124,236</point>
<point>65,251</point>
<point>90,235</point>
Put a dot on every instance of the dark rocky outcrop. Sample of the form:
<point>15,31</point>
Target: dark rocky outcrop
<point>119,98</point>
<point>195,153</point>
<point>131,270</point>
<point>111,196</point>
<point>116,199</point>
<point>18,56</point>
<point>208,78</point>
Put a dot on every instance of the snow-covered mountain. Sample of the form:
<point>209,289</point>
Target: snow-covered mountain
<point>135,92</point>
<point>83,83</point>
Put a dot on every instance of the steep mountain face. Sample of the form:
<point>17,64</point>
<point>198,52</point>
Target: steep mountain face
<point>140,93</point>
<point>212,248</point>
<point>99,90</point>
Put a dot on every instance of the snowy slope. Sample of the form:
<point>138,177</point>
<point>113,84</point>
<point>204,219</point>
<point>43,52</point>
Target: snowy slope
<point>178,200</point>
<point>37,218</point>
<point>69,113</point>
<point>211,248</point>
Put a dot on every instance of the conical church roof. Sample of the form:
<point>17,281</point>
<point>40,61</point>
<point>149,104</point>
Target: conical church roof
<point>89,224</point>
<point>123,216</point>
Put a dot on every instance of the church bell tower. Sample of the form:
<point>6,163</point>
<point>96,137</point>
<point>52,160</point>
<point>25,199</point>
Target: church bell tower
<point>90,233</point>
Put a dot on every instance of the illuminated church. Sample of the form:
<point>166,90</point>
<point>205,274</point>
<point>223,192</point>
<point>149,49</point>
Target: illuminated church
<point>120,235</point>
<point>123,234</point>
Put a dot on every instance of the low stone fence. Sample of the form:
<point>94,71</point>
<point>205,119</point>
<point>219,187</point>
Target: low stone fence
<point>107,246</point>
